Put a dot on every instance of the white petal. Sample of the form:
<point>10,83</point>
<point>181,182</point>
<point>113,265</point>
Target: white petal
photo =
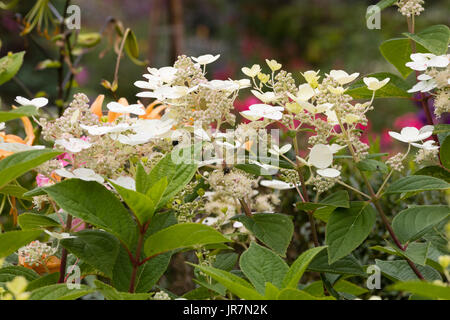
<point>320,156</point>
<point>329,173</point>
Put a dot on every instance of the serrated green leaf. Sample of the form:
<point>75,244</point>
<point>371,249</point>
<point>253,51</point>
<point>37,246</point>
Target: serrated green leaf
<point>299,266</point>
<point>347,265</point>
<point>348,228</point>
<point>182,236</point>
<point>273,229</point>
<point>92,202</point>
<point>261,265</point>
<point>400,270</point>
<point>435,38</point>
<point>434,171</point>
<point>414,222</point>
<point>97,248</point>
<point>417,183</point>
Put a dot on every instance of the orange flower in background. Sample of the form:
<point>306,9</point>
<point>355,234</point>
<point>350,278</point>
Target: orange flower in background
<point>29,139</point>
<point>52,265</point>
<point>153,111</point>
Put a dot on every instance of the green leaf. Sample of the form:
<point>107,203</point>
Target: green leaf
<point>336,199</point>
<point>44,281</point>
<point>395,88</point>
<point>10,65</point>
<point>349,287</point>
<point>25,111</point>
<point>9,273</point>
<point>261,265</point>
<point>131,45</point>
<point>17,164</point>
<point>89,39</point>
<point>445,153</point>
<point>59,292</point>
<point>295,294</point>
<point>182,236</point>
<point>152,271</point>
<point>226,261</point>
<point>398,52</point>
<point>424,289</point>
<point>371,165</point>
<point>414,222</point>
<point>93,203</point>
<point>157,190</point>
<point>434,171</point>
<point>15,191</point>
<point>348,228</point>
<point>299,266</point>
<point>417,183</point>
<point>142,181</point>
<point>13,240</point>
<point>435,38</point>
<point>141,205</point>
<point>97,248</point>
<point>177,174</point>
<point>400,270</point>
<point>273,229</point>
<point>111,293</point>
<point>347,265</point>
<point>233,283</point>
<point>34,221</point>
<point>416,252</point>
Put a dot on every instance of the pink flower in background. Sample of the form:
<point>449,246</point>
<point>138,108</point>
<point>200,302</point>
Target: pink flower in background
<point>240,105</point>
<point>63,157</point>
<point>408,120</point>
<point>82,77</point>
<point>42,180</point>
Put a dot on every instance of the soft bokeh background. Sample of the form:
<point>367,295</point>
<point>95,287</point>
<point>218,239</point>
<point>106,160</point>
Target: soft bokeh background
<point>301,34</point>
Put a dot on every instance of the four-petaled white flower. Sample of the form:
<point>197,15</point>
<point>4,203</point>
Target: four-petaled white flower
<point>423,61</point>
<point>137,109</point>
<point>427,145</point>
<point>258,111</point>
<point>59,236</point>
<point>80,173</point>
<point>253,71</point>
<point>2,125</point>
<point>321,157</point>
<point>411,134</point>
<point>426,83</point>
<point>304,93</point>
<point>277,184</point>
<point>73,144</point>
<point>342,77</point>
<point>36,102</point>
<point>166,92</point>
<point>374,84</point>
<point>206,59</point>
<point>161,75</point>
<point>278,151</point>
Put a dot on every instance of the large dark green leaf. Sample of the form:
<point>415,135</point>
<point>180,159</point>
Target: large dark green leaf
<point>273,229</point>
<point>414,222</point>
<point>347,228</point>
<point>34,221</point>
<point>347,265</point>
<point>299,266</point>
<point>92,202</point>
<point>400,270</point>
<point>435,38</point>
<point>60,292</point>
<point>97,248</point>
<point>261,265</point>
